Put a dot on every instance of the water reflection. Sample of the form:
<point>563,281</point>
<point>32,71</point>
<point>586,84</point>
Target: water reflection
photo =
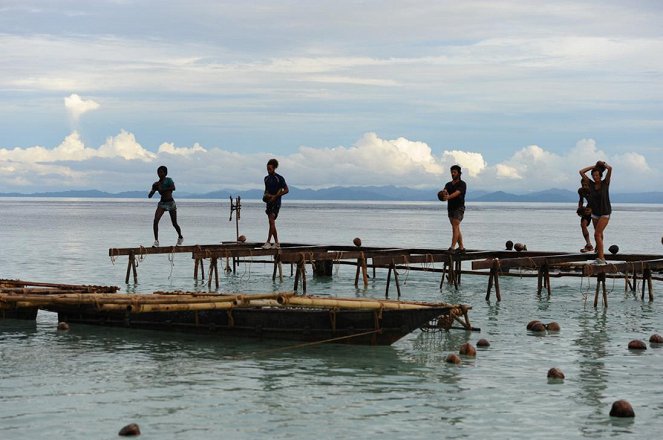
<point>591,343</point>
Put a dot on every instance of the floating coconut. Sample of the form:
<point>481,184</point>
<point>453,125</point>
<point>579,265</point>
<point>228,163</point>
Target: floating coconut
<point>130,430</point>
<point>553,327</point>
<point>468,349</point>
<point>241,238</point>
<point>613,249</point>
<point>357,241</point>
<point>622,408</point>
<point>519,247</point>
<point>452,359</point>
<point>538,327</point>
<point>531,323</point>
<point>63,326</point>
<point>656,339</point>
<point>483,343</point>
<point>637,344</point>
<point>555,373</point>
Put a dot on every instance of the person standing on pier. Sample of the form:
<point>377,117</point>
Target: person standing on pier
<point>165,187</point>
<point>599,202</point>
<point>275,188</point>
<point>454,194</point>
<point>585,213</point>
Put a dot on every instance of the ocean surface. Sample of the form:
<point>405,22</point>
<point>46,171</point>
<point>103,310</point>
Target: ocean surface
<point>89,382</point>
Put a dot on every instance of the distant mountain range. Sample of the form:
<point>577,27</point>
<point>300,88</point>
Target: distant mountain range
<point>374,193</point>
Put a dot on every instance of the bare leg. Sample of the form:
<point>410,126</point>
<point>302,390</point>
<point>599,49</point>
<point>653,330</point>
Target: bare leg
<point>456,234</point>
<point>585,232</point>
<point>599,227</point>
<point>272,229</point>
<point>155,225</point>
<point>173,220</point>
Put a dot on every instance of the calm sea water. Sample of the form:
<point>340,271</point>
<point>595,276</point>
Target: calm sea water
<point>89,382</point>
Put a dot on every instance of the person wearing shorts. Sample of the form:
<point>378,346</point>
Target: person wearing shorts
<point>275,188</point>
<point>599,202</point>
<point>165,187</point>
<point>454,194</point>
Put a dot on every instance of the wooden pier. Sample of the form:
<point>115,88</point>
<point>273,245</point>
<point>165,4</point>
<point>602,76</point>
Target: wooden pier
<point>493,264</point>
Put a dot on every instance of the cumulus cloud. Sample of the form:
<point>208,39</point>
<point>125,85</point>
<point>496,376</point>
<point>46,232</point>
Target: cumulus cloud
<point>170,148</point>
<point>76,106</point>
<point>122,163</point>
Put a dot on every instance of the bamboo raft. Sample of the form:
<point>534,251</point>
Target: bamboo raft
<point>493,264</point>
<point>282,315</point>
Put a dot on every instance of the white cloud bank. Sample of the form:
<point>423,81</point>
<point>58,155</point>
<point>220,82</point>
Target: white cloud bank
<point>121,163</point>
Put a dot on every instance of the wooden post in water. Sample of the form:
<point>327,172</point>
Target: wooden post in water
<point>131,266</point>
<point>600,284</point>
<point>494,278</point>
<point>213,270</point>
<point>361,265</point>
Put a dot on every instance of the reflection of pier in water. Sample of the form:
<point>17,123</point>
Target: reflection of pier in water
<point>493,264</point>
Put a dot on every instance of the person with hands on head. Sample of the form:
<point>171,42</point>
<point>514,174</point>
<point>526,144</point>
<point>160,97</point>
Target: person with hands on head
<point>599,202</point>
<point>165,187</point>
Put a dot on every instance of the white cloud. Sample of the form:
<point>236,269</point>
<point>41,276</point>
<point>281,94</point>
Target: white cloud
<point>122,163</point>
<point>76,106</point>
<point>170,148</point>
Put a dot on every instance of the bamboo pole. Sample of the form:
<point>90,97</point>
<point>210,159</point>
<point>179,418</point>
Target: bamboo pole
<point>351,303</point>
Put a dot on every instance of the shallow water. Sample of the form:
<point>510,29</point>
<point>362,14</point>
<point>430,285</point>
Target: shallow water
<point>89,382</point>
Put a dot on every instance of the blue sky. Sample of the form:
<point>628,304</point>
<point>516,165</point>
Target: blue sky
<point>520,93</point>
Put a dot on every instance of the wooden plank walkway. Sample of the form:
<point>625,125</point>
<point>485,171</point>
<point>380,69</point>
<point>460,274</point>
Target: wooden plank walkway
<point>483,262</point>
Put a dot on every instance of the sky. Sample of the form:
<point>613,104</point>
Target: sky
<point>521,94</point>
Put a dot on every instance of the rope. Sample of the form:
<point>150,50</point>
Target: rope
<point>306,344</point>
<point>141,255</point>
<point>114,257</point>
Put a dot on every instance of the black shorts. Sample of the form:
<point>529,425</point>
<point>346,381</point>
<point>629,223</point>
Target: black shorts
<point>456,214</point>
<point>272,209</point>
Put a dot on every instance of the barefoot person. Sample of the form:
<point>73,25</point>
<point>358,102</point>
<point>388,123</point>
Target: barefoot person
<point>165,187</point>
<point>275,188</point>
<point>454,194</point>
<point>585,214</point>
<point>599,202</point>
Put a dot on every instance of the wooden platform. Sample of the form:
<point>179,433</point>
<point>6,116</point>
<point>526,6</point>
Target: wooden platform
<point>493,264</point>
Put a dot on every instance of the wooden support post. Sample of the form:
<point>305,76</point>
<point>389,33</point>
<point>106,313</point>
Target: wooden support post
<point>458,271</point>
<point>546,279</point>
<point>364,270</point>
<point>398,286</point>
<point>635,281</point>
<point>386,292</point>
<point>600,284</point>
<point>131,267</point>
<point>452,272</point>
<point>539,281</point>
<point>198,262</point>
<point>444,273</point>
<point>646,275</point>
<point>278,266</point>
<point>302,268</point>
<point>213,270</point>
<point>277,258</point>
<point>494,278</point>
<point>301,274</point>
